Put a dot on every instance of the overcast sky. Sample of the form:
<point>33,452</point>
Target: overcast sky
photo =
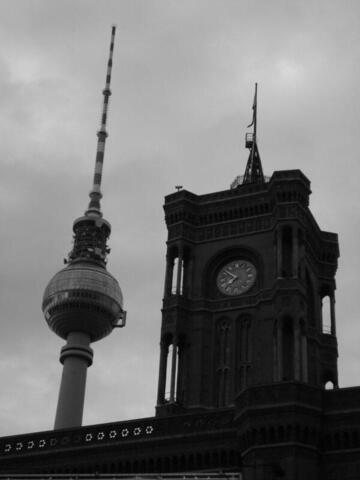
<point>183,83</point>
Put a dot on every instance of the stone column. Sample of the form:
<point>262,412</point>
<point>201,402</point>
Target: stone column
<point>180,372</point>
<point>321,315</point>
<point>279,350</point>
<point>173,370</point>
<point>279,252</point>
<point>187,272</point>
<point>179,271</point>
<point>168,275</point>
<point>302,256</point>
<point>304,358</point>
<point>295,259</point>
<point>276,355</point>
<point>297,351</point>
<point>332,314</point>
<point>76,356</point>
<point>190,275</point>
<point>164,348</point>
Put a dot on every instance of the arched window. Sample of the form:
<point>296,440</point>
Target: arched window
<point>326,315</point>
<point>329,379</point>
<point>310,300</point>
<point>276,352</point>
<point>287,252</point>
<point>243,351</point>
<point>303,352</point>
<point>177,285</point>
<point>171,360</point>
<point>223,362</point>
<point>287,349</point>
<point>301,254</point>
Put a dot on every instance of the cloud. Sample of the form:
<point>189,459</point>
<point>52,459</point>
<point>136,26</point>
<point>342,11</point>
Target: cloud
<point>183,81</point>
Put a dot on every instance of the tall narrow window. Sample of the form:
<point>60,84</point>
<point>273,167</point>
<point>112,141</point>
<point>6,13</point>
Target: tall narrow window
<point>178,276</point>
<point>169,274</point>
<point>174,275</point>
<point>223,362</point>
<point>287,252</point>
<point>164,348</point>
<point>243,351</point>
<point>303,352</point>
<point>313,364</point>
<point>310,301</point>
<point>277,352</point>
<point>180,370</point>
<point>326,315</point>
<point>175,366</point>
<point>172,373</point>
<point>301,259</point>
<point>288,349</point>
<point>168,372</point>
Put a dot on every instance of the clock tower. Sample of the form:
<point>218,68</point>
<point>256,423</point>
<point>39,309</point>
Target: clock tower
<point>249,295</point>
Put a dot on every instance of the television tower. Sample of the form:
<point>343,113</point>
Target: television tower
<point>83,302</point>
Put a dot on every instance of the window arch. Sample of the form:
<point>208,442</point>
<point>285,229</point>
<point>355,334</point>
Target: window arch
<point>329,379</point>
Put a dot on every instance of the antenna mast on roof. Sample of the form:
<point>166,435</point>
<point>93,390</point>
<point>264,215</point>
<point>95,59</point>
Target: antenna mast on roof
<point>253,171</point>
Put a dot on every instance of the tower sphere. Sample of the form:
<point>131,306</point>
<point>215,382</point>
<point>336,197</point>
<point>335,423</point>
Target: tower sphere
<point>83,297</point>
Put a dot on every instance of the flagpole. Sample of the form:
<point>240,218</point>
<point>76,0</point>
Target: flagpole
<point>255,112</point>
<point>253,171</point>
<point>254,125</point>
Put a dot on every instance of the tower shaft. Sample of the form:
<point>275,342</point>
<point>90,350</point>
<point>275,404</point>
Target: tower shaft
<point>76,356</point>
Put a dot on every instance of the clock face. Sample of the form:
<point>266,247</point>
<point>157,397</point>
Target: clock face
<point>236,277</point>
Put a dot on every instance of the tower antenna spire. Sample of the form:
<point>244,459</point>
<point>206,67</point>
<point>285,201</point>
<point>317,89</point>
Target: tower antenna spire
<point>253,171</point>
<point>95,194</point>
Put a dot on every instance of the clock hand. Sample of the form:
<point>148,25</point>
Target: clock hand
<point>233,280</point>
<point>229,273</point>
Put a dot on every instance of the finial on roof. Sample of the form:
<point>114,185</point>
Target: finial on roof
<point>253,171</point>
<point>95,195</point>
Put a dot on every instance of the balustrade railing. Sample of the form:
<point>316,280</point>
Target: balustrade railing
<point>119,432</point>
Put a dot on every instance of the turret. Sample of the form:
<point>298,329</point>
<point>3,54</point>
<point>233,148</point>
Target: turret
<point>83,302</point>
